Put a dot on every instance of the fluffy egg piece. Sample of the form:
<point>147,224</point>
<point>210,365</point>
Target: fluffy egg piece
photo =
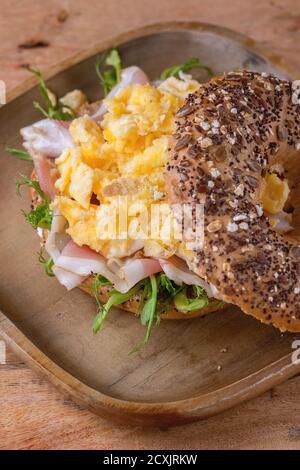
<point>128,150</point>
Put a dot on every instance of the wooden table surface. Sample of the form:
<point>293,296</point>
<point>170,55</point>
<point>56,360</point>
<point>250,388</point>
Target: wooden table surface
<point>33,414</point>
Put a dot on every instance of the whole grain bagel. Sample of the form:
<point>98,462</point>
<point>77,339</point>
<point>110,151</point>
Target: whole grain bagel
<point>228,135</point>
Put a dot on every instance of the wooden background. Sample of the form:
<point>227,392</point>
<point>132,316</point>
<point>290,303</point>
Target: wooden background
<point>33,414</point>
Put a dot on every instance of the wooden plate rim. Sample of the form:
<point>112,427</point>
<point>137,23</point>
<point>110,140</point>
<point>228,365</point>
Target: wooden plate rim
<point>148,30</point>
<point>144,413</point>
<point>163,413</point>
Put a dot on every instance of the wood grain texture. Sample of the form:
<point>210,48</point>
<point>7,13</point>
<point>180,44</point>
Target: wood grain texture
<point>34,415</point>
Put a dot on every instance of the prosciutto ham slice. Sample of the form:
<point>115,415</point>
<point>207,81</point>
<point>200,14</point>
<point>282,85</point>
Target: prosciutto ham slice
<point>177,270</point>
<point>46,140</point>
<point>47,137</point>
<point>66,278</point>
<point>130,76</point>
<point>43,170</point>
<point>136,269</point>
<point>123,274</point>
<point>83,261</point>
<point>56,241</point>
<point>57,238</point>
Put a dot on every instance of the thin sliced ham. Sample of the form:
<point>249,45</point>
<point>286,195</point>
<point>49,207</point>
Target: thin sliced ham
<point>123,274</point>
<point>136,269</point>
<point>73,263</point>
<point>56,241</point>
<point>66,278</point>
<point>130,76</point>
<point>43,170</point>
<point>83,261</point>
<point>47,137</point>
<point>57,237</point>
<point>178,271</point>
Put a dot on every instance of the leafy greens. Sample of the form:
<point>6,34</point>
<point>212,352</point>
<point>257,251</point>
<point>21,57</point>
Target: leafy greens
<point>47,263</point>
<point>54,109</point>
<point>41,215</point>
<point>188,303</point>
<point>187,66</point>
<point>115,298</point>
<point>20,154</point>
<point>155,295</point>
<point>109,69</point>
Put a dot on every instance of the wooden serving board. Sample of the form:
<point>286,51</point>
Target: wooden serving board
<point>190,369</point>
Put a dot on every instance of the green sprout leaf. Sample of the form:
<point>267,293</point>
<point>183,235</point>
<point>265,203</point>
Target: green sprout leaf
<point>52,110</point>
<point>185,303</point>
<point>167,290</point>
<point>47,263</point>
<point>189,65</point>
<point>149,314</point>
<point>25,181</point>
<point>108,69</point>
<point>116,298</point>
<point>166,285</point>
<point>41,215</point>
<point>154,291</point>
<point>99,281</point>
<point>20,154</point>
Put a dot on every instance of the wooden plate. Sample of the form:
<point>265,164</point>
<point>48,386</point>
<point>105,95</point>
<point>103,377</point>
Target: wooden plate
<point>184,373</point>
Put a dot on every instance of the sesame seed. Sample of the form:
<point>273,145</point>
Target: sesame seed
<point>215,173</point>
<point>239,217</point>
<point>252,215</point>
<point>205,125</point>
<point>234,204</point>
<point>232,227</point>
<point>259,210</point>
<point>205,142</point>
<point>244,226</point>
<point>231,140</point>
<point>239,190</point>
<point>268,247</point>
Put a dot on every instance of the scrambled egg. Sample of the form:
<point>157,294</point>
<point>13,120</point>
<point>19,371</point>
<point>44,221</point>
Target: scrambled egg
<point>126,156</point>
<point>275,192</point>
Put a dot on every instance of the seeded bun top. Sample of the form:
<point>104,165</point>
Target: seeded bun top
<point>227,135</point>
